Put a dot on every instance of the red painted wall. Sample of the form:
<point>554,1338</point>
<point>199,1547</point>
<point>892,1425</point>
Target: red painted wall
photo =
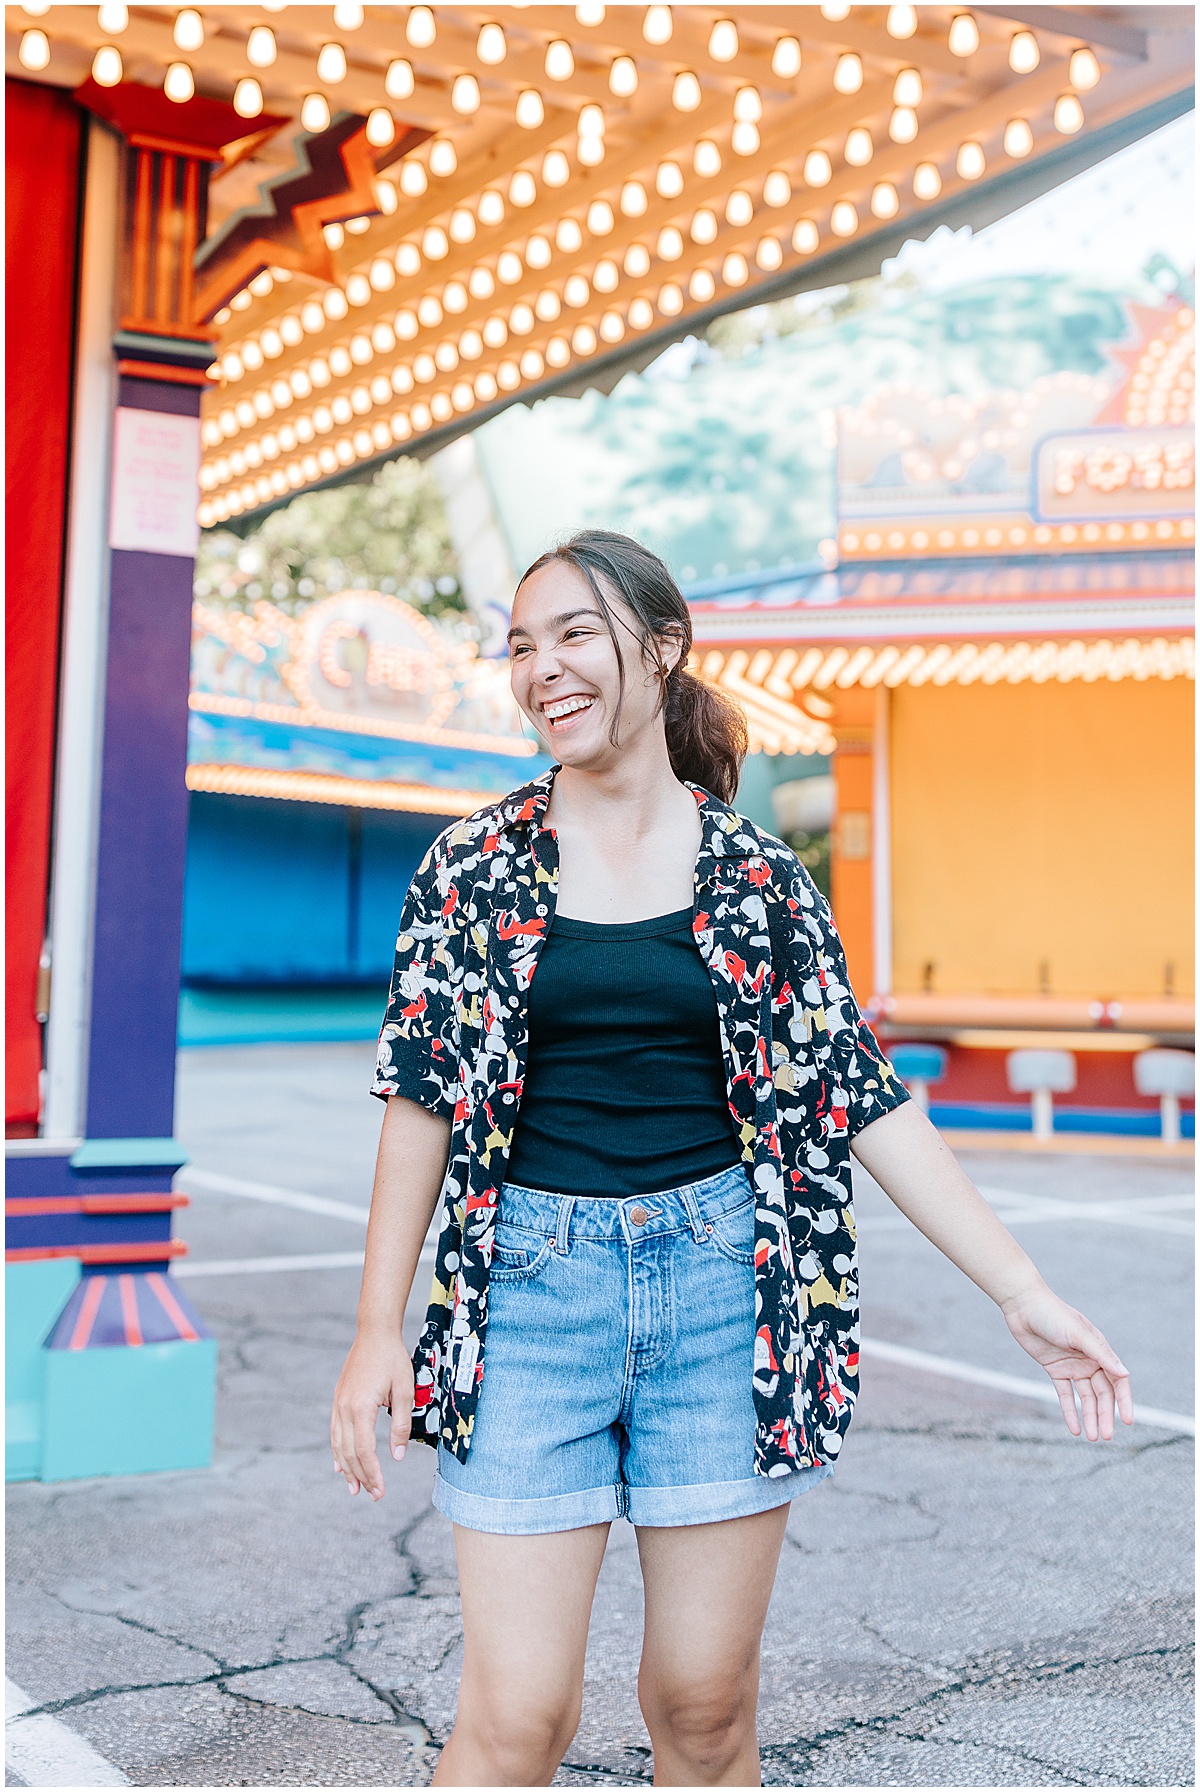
<point>42,150</point>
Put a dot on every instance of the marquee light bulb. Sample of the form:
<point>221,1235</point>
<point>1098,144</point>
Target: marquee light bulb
<point>805,237</point>
<point>657,26</point>
<point>600,220</point>
<point>1068,114</point>
<point>902,126</point>
<point>590,151</point>
<point>835,11</point>
<point>347,15</point>
<point>560,62</point>
<point>885,201</point>
<point>314,113</point>
<point>970,161</point>
<point>723,41</point>
<point>420,28</point>
<point>112,18</point>
<point>260,47</point>
<point>685,93</point>
<point>859,147</point>
<point>637,261</point>
<point>623,77</point>
<point>777,188</point>
<point>1023,53</point>
<point>848,74</point>
<point>399,83</point>
<point>964,34</point>
<point>464,95</point>
<point>734,271</point>
<point>1018,138</point>
<point>706,158</point>
<point>1085,70</point>
<point>744,139</point>
<point>747,105</point>
<point>591,121</point>
<point>491,207</point>
<point>818,170</point>
<point>591,12</point>
<point>703,228</point>
<point>413,179</point>
<point>556,170</point>
<point>769,254</point>
<point>522,191</point>
<point>381,128</point>
<point>901,21</point>
<point>530,109</point>
<point>786,58</point>
<point>34,50</point>
<point>843,219</point>
<point>331,64</point>
<point>927,182</point>
<point>178,84</point>
<point>189,29</point>
<point>443,158</point>
<point>491,46</point>
<point>908,88</point>
<point>247,97</point>
<point>568,238</point>
<point>633,199</point>
<point>739,208</point>
<point>668,180</point>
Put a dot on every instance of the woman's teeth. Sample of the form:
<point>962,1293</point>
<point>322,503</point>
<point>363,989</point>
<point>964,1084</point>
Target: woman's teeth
<point>556,712</point>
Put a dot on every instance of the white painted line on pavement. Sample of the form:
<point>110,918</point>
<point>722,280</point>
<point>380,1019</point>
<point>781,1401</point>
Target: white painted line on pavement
<point>213,1182</point>
<point>1011,1384</point>
<point>260,1266</point>
<point>43,1751</point>
<point>1155,1213</point>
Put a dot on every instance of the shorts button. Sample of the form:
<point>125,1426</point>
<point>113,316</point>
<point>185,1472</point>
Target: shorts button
<point>638,1215</point>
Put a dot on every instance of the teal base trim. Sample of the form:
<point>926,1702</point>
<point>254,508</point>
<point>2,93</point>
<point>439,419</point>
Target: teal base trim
<point>129,1154</point>
<point>128,1410</point>
<point>34,1296</point>
<point>290,1014</point>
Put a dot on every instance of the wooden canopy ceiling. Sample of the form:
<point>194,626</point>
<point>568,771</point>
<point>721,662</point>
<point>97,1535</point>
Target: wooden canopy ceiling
<point>560,195</point>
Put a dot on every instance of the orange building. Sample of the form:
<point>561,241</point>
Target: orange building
<point>1003,664</point>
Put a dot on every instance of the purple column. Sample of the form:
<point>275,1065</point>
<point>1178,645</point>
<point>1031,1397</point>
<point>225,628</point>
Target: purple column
<point>143,828</point>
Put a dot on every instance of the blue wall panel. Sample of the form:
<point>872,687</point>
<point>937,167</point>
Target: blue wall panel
<point>281,892</point>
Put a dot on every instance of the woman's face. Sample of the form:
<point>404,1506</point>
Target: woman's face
<point>565,673</point>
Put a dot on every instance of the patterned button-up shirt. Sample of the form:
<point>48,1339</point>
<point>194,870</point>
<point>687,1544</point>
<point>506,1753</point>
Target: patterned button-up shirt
<point>803,1074</point>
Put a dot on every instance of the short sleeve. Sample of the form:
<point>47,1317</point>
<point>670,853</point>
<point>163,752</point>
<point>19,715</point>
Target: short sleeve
<point>869,1083</point>
<point>418,1045</point>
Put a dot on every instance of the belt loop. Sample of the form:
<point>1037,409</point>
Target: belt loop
<point>562,1231</point>
<point>692,1208</point>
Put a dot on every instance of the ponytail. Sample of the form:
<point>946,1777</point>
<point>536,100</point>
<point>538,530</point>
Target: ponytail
<point>706,731</point>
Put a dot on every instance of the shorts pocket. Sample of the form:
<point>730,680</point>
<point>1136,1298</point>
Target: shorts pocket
<point>518,1253</point>
<point>733,1232</point>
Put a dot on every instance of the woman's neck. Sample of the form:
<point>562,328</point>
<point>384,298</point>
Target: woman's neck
<point>634,798</point>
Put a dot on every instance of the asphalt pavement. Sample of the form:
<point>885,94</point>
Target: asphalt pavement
<point>974,1599</point>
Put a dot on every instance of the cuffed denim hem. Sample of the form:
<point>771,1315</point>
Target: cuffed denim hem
<point>716,1500</point>
<point>527,1518</point>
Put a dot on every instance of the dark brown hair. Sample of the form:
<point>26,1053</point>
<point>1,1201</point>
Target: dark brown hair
<point>706,731</point>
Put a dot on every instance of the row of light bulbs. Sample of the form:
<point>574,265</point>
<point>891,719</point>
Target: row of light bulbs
<point>461,228</point>
<point>486,386</point>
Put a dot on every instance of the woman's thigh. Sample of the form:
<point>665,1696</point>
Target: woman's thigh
<point>707,1590</point>
<point>526,1603</point>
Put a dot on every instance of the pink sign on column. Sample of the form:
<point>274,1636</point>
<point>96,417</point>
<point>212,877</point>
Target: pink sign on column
<point>156,462</point>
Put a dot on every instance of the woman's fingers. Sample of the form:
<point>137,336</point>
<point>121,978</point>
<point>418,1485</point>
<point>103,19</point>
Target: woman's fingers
<point>1066,1399</point>
<point>366,1455</point>
<point>401,1423</point>
<point>1103,1389</point>
<point>1087,1406</point>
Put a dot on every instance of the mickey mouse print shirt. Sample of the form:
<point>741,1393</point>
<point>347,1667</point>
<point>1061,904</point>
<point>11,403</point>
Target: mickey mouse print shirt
<point>803,1075</point>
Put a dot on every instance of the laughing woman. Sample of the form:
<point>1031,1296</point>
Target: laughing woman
<point>645,1301</point>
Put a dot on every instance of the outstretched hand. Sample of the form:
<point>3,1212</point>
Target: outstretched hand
<point>1077,1358</point>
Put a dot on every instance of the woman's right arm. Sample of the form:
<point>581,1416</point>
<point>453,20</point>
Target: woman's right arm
<point>414,1147</point>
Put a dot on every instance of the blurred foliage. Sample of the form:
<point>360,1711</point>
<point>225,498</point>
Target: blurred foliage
<point>813,851</point>
<point>388,535</point>
<point>722,456</point>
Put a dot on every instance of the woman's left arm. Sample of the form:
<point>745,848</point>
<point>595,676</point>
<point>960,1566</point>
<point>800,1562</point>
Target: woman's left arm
<point>908,1158</point>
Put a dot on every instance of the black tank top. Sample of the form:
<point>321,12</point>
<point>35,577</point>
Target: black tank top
<point>625,1084</point>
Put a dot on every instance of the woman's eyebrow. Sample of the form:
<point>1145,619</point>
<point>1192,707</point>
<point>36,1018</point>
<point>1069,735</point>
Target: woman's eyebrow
<point>556,621</point>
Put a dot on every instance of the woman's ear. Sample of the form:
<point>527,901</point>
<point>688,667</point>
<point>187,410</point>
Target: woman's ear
<point>670,645</point>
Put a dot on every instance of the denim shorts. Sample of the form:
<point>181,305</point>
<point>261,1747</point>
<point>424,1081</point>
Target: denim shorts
<point>617,1366</point>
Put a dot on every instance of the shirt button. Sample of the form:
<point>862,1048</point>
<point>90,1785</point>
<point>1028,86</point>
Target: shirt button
<point>638,1215</point>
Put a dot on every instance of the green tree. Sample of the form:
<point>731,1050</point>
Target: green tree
<point>390,534</point>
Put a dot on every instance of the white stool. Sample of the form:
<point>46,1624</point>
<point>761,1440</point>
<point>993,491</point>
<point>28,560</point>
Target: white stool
<point>1168,1075</point>
<point>1041,1075</point>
